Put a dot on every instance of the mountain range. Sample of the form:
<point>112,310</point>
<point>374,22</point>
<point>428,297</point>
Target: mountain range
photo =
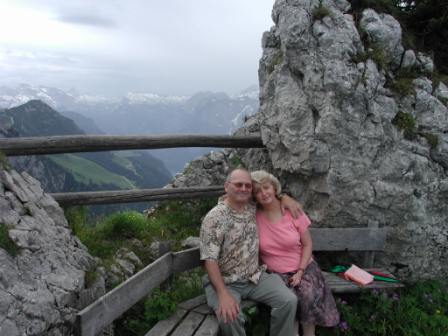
<point>78,171</point>
<point>145,114</point>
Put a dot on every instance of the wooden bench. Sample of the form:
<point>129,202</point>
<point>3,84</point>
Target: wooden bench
<point>194,317</point>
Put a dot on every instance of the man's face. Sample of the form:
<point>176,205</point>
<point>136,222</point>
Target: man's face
<point>239,187</point>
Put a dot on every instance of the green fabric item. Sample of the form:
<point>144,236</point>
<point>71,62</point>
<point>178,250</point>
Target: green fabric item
<point>343,268</point>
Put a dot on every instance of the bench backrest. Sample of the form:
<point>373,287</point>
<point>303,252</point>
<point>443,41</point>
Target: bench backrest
<point>348,239</point>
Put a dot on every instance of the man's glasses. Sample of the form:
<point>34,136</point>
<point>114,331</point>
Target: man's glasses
<point>239,185</point>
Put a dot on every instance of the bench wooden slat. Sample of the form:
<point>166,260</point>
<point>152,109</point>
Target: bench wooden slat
<point>348,239</point>
<point>189,324</point>
<point>209,327</point>
<point>193,303</point>
<point>203,309</point>
<point>164,327</point>
<point>339,285</point>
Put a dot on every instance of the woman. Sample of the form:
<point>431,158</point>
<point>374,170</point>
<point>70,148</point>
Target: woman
<point>286,249</point>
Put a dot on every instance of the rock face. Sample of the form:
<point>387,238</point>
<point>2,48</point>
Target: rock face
<point>328,116</point>
<point>42,278</point>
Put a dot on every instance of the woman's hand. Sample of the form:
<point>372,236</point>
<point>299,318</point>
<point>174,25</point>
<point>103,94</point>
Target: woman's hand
<point>295,279</point>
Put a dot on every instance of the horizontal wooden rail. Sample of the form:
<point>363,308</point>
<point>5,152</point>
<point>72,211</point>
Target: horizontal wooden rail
<point>96,143</point>
<point>138,195</point>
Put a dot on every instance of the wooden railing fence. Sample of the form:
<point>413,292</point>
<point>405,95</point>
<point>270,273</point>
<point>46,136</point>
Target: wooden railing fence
<point>94,143</point>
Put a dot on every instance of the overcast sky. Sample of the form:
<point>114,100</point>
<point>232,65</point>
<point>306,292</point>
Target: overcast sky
<point>111,47</point>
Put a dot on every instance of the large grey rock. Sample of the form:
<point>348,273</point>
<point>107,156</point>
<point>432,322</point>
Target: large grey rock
<point>41,285</point>
<point>326,120</point>
<point>384,32</point>
<point>330,133</point>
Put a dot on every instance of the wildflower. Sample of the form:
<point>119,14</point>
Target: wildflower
<point>343,326</point>
<point>428,297</point>
<point>395,297</point>
<point>376,291</point>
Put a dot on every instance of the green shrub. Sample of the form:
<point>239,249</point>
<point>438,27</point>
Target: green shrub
<point>403,81</point>
<point>124,225</point>
<point>320,12</point>
<point>258,320</point>
<point>235,161</point>
<point>402,86</point>
<point>419,309</point>
<point>6,243</point>
<point>91,235</point>
<point>76,217</point>
<point>406,123</point>
<point>171,220</point>
<point>376,54</point>
<point>176,220</point>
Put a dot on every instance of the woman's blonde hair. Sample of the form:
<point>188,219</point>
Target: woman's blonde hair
<point>262,176</point>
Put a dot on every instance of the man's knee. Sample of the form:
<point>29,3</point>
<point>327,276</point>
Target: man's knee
<point>291,299</point>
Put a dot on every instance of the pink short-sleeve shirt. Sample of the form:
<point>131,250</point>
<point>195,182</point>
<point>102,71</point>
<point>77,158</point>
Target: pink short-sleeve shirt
<point>280,246</point>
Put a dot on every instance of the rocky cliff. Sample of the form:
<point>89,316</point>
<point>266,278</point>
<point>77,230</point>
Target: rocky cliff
<point>355,127</point>
<point>42,265</point>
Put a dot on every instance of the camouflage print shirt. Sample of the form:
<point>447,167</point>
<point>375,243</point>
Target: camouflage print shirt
<point>231,238</point>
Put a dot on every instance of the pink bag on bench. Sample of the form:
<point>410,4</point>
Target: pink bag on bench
<point>358,275</point>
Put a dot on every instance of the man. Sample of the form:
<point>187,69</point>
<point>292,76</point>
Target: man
<point>229,249</point>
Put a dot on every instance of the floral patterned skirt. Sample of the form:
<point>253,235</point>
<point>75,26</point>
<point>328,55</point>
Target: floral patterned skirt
<point>316,304</point>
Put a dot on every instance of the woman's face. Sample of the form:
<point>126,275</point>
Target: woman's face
<point>264,193</point>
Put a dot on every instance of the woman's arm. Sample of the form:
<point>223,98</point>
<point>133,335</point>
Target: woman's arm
<point>307,250</point>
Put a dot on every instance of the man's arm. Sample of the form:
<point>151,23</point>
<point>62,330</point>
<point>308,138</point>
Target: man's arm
<point>228,307</point>
<point>292,205</point>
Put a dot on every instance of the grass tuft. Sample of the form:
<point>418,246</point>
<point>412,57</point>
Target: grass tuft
<point>432,139</point>
<point>403,82</point>
<point>320,12</point>
<point>276,60</point>
<point>6,243</point>
<point>4,164</point>
<point>406,123</point>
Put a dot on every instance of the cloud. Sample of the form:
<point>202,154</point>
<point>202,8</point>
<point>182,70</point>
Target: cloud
<point>114,46</point>
<point>87,20</point>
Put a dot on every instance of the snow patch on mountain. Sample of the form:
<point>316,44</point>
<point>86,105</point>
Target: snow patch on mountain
<point>153,98</point>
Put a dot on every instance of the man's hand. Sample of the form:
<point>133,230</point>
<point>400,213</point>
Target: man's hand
<point>228,307</point>
<point>292,205</point>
